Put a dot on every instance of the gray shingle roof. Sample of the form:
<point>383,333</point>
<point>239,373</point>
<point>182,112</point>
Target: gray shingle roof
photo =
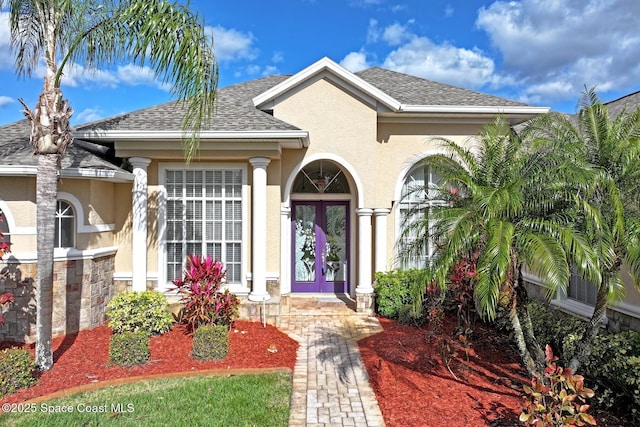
<point>15,150</point>
<point>234,112</point>
<point>629,102</point>
<point>418,91</point>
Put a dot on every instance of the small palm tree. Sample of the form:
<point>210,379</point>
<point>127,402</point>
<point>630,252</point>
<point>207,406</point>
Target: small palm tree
<point>612,145</point>
<point>164,35</point>
<point>510,208</point>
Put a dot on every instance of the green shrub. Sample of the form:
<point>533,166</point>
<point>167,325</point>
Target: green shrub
<point>394,290</point>
<point>129,348</point>
<point>16,370</point>
<point>409,315</point>
<point>210,342</point>
<point>615,366</point>
<point>146,311</point>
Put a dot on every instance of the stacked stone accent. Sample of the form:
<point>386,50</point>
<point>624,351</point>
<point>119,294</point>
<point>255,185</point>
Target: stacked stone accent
<point>81,290</point>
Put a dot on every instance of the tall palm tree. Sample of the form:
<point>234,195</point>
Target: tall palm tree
<point>613,146</point>
<point>58,33</point>
<point>508,204</point>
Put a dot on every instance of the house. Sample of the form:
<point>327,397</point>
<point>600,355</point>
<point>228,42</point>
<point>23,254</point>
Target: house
<point>297,188</point>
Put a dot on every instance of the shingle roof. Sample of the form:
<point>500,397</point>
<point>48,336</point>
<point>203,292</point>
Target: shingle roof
<point>629,102</point>
<point>234,111</point>
<point>418,91</point>
<point>15,150</point>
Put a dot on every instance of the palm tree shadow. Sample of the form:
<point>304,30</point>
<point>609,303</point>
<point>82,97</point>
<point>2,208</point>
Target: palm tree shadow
<point>336,354</point>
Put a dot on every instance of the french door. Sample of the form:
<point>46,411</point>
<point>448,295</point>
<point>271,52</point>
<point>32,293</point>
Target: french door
<point>320,238</point>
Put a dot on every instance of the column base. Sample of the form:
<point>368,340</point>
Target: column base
<point>365,303</point>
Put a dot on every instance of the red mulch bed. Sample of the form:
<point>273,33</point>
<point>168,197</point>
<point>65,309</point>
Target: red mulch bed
<point>83,358</point>
<point>406,369</point>
<point>414,386</point>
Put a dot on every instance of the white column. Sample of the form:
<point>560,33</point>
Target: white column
<point>285,250</point>
<point>139,223</point>
<point>259,229</point>
<point>380,215</point>
<point>364,285</point>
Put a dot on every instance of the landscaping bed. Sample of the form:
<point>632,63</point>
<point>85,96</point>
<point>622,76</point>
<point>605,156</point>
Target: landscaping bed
<point>83,358</point>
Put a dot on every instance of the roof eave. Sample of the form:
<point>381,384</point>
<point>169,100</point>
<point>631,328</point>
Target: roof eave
<point>86,173</point>
<point>288,138</point>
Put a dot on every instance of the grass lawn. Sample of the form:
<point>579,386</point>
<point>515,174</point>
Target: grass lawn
<point>243,400</point>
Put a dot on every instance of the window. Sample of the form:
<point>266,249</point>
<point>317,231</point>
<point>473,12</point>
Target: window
<point>419,193</point>
<point>321,176</point>
<point>65,225</point>
<point>581,290</point>
<point>204,217</point>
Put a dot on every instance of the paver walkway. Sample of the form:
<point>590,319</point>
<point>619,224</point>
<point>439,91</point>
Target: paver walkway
<point>330,383</point>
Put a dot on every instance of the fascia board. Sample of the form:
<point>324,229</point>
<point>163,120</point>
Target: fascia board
<point>464,109</point>
<point>123,135</point>
<point>89,173</point>
<point>326,64</point>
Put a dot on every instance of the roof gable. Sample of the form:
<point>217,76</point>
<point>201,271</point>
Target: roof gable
<point>326,68</point>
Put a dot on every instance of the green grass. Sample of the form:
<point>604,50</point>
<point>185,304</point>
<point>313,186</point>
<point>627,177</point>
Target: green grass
<point>243,400</point>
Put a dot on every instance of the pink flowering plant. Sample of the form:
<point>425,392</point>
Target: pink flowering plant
<point>203,301</point>
<point>6,298</point>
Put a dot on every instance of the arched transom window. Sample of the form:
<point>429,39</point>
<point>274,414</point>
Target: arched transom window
<point>321,176</point>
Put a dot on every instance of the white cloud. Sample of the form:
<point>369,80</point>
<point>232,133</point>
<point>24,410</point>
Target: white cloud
<point>6,100</point>
<point>443,63</point>
<point>373,31</point>
<point>355,61</point>
<point>555,47</point>
<point>395,34</point>
<point>230,44</point>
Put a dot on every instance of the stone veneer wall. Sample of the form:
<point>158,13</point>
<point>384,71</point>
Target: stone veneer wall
<point>81,290</point>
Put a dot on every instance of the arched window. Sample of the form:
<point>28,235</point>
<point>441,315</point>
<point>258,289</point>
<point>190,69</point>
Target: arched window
<point>321,176</point>
<point>419,193</point>
<point>65,225</point>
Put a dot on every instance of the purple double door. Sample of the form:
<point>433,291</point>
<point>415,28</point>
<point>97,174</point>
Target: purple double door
<point>320,238</point>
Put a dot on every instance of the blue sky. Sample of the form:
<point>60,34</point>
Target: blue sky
<point>542,52</point>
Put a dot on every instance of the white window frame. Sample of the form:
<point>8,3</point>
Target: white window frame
<point>164,282</point>
<point>423,204</point>
<point>58,224</point>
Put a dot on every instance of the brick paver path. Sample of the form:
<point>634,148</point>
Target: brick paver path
<point>330,383</point>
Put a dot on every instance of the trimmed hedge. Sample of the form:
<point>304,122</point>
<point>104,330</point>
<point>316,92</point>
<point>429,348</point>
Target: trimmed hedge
<point>129,349</point>
<point>210,342</point>
<point>394,291</point>
<point>16,370</point>
<point>146,311</point>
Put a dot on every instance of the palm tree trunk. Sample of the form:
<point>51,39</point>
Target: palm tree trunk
<point>522,306</point>
<point>584,346</point>
<point>46,195</point>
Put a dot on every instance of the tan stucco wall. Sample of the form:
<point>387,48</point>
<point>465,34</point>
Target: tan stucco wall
<point>97,200</point>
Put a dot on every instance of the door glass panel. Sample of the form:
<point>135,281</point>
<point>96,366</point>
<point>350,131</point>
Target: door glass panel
<point>305,243</point>
<point>336,243</point>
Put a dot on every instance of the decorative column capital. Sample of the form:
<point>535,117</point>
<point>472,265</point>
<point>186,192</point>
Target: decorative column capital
<point>140,162</point>
<point>364,212</point>
<point>259,162</point>
<point>381,211</point>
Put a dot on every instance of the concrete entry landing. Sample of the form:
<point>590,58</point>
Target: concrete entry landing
<point>330,383</point>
